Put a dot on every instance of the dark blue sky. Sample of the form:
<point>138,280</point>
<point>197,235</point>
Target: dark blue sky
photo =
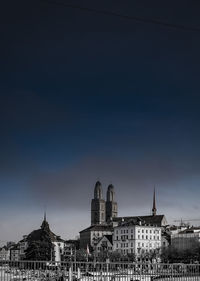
<point>86,96</point>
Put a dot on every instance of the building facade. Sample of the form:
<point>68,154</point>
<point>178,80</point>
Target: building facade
<point>104,246</point>
<point>91,235</point>
<point>111,204</point>
<point>4,253</point>
<point>15,253</point>
<point>98,207</point>
<point>23,245</point>
<point>187,239</point>
<point>102,212</point>
<point>136,238</point>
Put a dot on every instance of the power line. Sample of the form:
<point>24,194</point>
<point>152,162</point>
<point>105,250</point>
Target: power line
<point>137,19</point>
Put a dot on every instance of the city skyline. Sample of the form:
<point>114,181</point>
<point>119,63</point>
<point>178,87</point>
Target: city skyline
<point>87,96</point>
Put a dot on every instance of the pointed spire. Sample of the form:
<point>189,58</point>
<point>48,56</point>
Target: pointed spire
<point>45,224</point>
<point>154,203</point>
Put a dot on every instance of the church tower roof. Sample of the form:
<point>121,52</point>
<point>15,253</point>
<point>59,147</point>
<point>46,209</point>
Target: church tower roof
<point>45,224</point>
<point>110,193</point>
<point>154,203</point>
<point>98,190</point>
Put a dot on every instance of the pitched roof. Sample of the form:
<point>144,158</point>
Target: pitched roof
<point>190,230</point>
<point>151,220</point>
<point>38,234</point>
<point>98,227</point>
<point>108,237</point>
<point>15,247</point>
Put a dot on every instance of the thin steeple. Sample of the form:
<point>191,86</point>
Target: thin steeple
<point>154,203</point>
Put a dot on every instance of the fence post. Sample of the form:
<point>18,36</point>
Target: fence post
<point>78,273</point>
<point>70,273</point>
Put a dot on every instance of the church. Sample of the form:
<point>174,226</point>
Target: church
<point>104,217</point>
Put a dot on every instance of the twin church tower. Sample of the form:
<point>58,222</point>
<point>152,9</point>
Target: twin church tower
<point>103,211</point>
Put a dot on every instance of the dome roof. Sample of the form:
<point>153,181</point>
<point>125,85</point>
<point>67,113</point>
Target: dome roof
<point>98,190</point>
<point>98,184</point>
<point>110,187</point>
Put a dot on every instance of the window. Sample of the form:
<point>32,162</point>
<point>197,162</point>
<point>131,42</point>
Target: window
<point>142,230</point>
<point>146,230</point>
<point>138,236</point>
<point>146,236</point>
<point>138,244</point>
<point>142,236</point>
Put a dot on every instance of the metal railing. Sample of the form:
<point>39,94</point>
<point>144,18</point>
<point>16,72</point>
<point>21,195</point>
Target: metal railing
<point>90,271</point>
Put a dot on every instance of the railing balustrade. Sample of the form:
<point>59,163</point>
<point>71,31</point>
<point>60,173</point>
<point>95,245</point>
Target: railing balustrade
<point>96,271</point>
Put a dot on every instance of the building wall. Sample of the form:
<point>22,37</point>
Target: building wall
<point>111,210</point>
<point>91,237</point>
<point>98,211</point>
<point>58,250</point>
<point>84,239</point>
<point>15,255</point>
<point>136,239</point>
<point>4,254</point>
<point>103,245</point>
<point>23,245</point>
<point>183,241</point>
<point>96,234</point>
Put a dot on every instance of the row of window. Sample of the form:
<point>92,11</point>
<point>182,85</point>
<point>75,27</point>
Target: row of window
<point>124,231</point>
<point>126,245</point>
<point>125,237</point>
<point>123,245</point>
<point>149,231</point>
<point>100,248</point>
<point>150,245</point>
<point>148,237</point>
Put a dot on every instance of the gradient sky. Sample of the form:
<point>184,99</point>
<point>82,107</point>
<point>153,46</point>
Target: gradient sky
<point>87,97</point>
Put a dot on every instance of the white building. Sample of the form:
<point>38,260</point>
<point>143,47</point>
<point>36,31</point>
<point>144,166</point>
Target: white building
<point>186,239</point>
<point>136,237</point>
<point>4,253</point>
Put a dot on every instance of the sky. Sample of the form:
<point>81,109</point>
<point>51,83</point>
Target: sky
<point>87,96</point>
